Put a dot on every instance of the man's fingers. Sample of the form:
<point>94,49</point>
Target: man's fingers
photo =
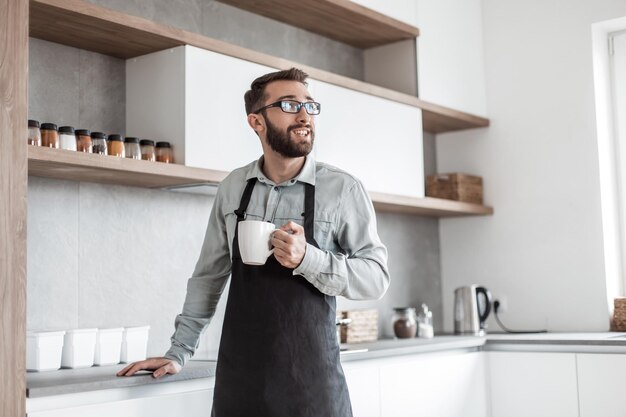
<point>160,372</point>
<point>126,368</point>
<point>293,227</point>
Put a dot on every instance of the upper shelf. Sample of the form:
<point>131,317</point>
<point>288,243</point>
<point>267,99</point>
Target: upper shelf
<point>78,166</point>
<point>342,20</point>
<point>84,25</point>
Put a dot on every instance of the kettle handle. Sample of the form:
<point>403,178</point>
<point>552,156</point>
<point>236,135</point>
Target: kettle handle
<point>482,316</point>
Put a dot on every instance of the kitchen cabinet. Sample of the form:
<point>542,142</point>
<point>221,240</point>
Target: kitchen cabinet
<point>363,381</point>
<point>192,398</point>
<point>377,140</point>
<point>194,97</point>
<point>600,384</point>
<point>444,384</point>
<point>533,384</point>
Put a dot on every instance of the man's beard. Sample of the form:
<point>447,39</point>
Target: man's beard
<point>281,142</point>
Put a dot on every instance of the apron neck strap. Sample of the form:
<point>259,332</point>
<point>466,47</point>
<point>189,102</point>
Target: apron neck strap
<point>309,210</point>
<point>245,200</point>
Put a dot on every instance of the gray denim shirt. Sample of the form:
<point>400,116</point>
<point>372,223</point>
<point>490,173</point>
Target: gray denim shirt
<point>351,260</point>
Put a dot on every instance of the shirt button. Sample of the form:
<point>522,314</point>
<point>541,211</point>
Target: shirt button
<point>275,188</point>
<point>292,181</point>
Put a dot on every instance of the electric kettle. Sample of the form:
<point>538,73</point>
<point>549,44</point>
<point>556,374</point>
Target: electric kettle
<point>472,305</point>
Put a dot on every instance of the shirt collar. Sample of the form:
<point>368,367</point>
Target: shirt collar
<point>307,173</point>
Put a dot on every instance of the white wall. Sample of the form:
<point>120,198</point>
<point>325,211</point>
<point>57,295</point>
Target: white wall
<point>543,248</point>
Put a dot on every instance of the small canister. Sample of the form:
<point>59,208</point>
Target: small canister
<point>164,152</point>
<point>83,141</point>
<point>49,135</point>
<point>34,133</point>
<point>116,146</point>
<point>67,138</point>
<point>404,322</point>
<point>99,143</point>
<point>147,150</point>
<point>132,149</point>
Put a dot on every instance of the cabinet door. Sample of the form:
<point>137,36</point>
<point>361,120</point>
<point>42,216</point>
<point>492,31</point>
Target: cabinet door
<point>442,385</point>
<point>377,140</point>
<point>601,385</point>
<point>188,404</point>
<point>533,384</point>
<point>363,383</point>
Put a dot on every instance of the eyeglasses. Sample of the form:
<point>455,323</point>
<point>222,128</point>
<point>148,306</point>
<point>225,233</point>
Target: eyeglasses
<point>293,106</point>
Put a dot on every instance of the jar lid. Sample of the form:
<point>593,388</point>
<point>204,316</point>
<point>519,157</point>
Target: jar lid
<point>403,309</point>
<point>117,138</point>
<point>98,135</point>
<point>146,142</point>
<point>83,132</point>
<point>33,123</point>
<point>163,145</point>
<point>66,129</point>
<point>131,140</point>
<point>49,126</point>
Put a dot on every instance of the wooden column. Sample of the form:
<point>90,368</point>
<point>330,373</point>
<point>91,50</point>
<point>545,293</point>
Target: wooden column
<point>13,183</point>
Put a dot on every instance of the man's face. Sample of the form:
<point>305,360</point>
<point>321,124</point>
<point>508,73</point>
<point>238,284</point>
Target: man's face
<point>288,134</point>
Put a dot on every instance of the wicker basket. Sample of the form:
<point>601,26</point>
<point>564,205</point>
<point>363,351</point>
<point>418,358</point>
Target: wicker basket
<point>619,314</point>
<point>455,186</point>
<point>363,328</point>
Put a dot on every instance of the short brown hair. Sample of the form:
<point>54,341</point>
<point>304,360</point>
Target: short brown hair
<point>255,96</point>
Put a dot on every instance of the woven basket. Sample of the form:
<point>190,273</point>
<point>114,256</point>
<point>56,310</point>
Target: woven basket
<point>455,186</point>
<point>619,314</point>
<point>363,328</point>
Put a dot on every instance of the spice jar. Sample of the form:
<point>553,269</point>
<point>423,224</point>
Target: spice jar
<point>116,146</point>
<point>99,141</point>
<point>425,323</point>
<point>67,138</point>
<point>49,135</point>
<point>164,152</point>
<point>404,323</point>
<point>132,149</point>
<point>147,150</point>
<point>83,141</point>
<point>34,134</point>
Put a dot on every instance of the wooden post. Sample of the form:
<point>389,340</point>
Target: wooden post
<point>13,188</point>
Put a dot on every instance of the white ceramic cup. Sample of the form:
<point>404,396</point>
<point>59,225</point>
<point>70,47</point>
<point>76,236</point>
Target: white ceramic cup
<point>254,241</point>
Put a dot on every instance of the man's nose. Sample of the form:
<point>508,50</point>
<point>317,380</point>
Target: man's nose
<point>303,116</point>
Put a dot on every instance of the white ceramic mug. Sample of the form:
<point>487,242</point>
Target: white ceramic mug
<point>254,241</point>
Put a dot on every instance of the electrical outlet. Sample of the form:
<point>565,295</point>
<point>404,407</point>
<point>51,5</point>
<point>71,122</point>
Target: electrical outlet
<point>503,307</point>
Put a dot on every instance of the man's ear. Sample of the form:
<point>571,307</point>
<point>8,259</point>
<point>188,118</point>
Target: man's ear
<point>256,122</point>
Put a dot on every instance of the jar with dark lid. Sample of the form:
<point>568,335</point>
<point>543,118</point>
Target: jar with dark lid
<point>404,322</point>
<point>147,150</point>
<point>83,141</point>
<point>116,146</point>
<point>67,138</point>
<point>164,152</point>
<point>34,133</point>
<point>49,135</point>
<point>99,142</point>
<point>131,147</point>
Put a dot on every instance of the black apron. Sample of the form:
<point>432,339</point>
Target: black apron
<point>278,353</point>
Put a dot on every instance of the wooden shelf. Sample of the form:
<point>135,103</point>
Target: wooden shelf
<point>341,20</point>
<point>78,166</point>
<point>427,206</point>
<point>84,25</point>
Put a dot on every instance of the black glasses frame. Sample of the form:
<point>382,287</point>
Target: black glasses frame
<point>298,105</point>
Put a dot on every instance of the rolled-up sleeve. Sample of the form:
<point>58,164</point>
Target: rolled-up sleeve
<point>204,288</point>
<point>360,271</point>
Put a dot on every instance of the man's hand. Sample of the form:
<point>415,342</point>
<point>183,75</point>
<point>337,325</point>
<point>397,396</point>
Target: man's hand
<point>160,366</point>
<point>289,244</point>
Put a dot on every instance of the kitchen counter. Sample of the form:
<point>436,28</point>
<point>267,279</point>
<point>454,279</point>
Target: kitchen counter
<point>69,381</point>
